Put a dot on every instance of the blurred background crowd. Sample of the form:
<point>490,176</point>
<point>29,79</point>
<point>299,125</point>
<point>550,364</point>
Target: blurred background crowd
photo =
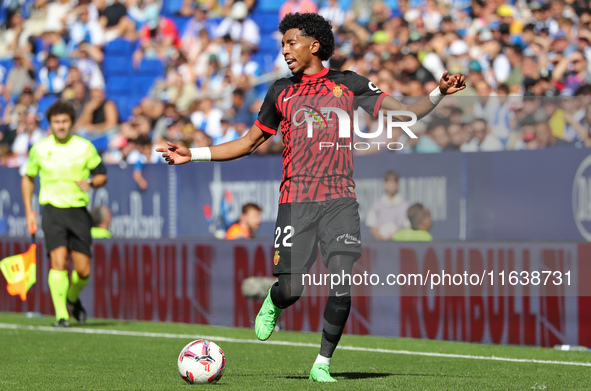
<point>141,72</point>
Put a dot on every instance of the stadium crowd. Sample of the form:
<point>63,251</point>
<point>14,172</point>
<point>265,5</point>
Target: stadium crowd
<point>141,72</point>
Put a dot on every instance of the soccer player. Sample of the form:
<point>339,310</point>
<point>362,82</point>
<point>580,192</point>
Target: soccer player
<point>64,163</point>
<point>317,203</point>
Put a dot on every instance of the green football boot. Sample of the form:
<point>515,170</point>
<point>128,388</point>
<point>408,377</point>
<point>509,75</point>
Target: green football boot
<point>320,373</point>
<point>266,318</point>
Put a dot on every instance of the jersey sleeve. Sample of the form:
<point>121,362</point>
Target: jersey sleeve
<point>32,168</point>
<point>94,158</point>
<point>269,117</point>
<point>367,94</point>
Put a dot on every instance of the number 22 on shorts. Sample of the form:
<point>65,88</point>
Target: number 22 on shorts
<point>287,234</point>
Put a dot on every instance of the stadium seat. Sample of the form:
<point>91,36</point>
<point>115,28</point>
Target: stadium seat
<point>151,67</point>
<point>262,89</point>
<point>7,64</point>
<point>117,66</point>
<point>265,61</point>
<point>215,21</point>
<point>345,4</point>
<point>65,61</point>
<point>26,8</point>
<point>180,22</point>
<point>101,144</point>
<point>267,21</point>
<point>269,5</point>
<point>43,105</point>
<point>119,47</point>
<point>141,85</point>
<point>122,107</point>
<point>393,4</point>
<point>133,101</point>
<point>171,7</point>
<point>45,102</point>
<point>37,45</point>
<point>117,85</point>
<point>268,45</point>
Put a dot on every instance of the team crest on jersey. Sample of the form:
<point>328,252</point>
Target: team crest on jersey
<point>276,257</point>
<point>337,91</point>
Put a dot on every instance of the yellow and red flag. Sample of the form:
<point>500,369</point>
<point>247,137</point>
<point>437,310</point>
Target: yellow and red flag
<point>20,272</point>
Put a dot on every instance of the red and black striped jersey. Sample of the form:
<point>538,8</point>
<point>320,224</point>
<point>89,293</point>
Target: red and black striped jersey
<point>317,161</point>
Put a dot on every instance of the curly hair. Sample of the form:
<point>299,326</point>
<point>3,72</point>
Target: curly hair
<point>61,107</point>
<point>311,25</point>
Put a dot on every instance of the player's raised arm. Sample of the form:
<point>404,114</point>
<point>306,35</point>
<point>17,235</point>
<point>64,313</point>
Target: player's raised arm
<point>179,154</point>
<point>448,84</point>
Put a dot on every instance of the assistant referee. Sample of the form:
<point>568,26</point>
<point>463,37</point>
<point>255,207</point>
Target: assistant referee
<point>68,166</point>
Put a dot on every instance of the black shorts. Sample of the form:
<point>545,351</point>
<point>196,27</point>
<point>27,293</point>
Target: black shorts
<point>68,227</point>
<point>301,226</point>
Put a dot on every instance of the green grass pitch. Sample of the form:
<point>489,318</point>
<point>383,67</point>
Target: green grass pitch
<point>116,355</point>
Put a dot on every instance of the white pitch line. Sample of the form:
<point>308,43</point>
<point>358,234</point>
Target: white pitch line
<point>78,330</point>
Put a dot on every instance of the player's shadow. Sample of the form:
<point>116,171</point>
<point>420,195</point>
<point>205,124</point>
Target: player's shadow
<point>348,375</point>
<point>375,375</point>
<point>360,375</point>
<point>434,375</point>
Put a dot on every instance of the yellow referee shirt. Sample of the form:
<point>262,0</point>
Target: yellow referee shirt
<point>412,235</point>
<point>100,233</point>
<point>59,166</point>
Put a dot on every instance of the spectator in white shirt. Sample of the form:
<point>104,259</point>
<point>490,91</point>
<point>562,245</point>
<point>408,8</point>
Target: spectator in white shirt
<point>52,77</point>
<point>240,27</point>
<point>85,61</point>
<point>245,65</point>
<point>87,30</point>
<point>28,133</point>
<point>208,118</point>
<point>333,12</point>
<point>388,214</point>
<point>57,12</point>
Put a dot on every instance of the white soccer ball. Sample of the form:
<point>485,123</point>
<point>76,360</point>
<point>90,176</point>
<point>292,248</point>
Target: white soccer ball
<point>201,361</point>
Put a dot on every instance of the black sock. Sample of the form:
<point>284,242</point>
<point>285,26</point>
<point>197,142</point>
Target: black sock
<point>338,305</point>
<point>335,317</point>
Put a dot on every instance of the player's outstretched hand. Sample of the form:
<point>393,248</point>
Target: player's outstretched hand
<point>450,84</point>
<point>175,154</point>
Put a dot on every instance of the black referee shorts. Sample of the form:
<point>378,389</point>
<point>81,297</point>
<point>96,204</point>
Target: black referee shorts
<point>68,227</point>
<point>301,227</point>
